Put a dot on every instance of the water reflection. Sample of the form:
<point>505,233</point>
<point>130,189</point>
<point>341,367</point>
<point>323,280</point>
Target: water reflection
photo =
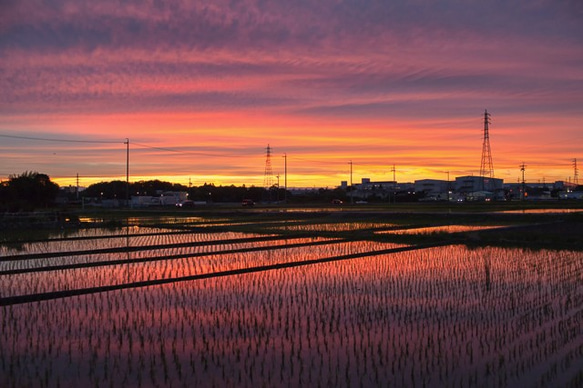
<point>169,263</point>
<point>96,239</point>
<point>440,229</point>
<point>335,227</point>
<point>446,316</point>
<point>541,211</point>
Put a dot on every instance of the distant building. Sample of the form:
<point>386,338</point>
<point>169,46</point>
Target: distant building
<point>434,189</point>
<point>562,185</point>
<point>571,195</point>
<point>144,201</point>
<point>366,184</point>
<point>471,184</point>
<point>173,197</point>
<point>464,188</point>
<point>380,190</point>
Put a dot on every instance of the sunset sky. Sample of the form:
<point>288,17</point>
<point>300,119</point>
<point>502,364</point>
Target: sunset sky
<point>200,88</point>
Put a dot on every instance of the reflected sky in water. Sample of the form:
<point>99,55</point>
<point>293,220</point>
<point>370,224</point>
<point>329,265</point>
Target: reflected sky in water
<point>438,317</point>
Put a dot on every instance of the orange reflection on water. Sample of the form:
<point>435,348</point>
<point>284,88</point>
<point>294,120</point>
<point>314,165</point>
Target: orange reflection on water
<point>439,316</point>
<point>440,229</point>
<point>175,262</point>
<point>336,227</point>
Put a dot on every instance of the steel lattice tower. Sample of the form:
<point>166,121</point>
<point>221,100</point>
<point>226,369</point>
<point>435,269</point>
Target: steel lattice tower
<point>486,166</point>
<point>268,176</point>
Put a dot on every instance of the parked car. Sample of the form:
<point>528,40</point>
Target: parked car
<point>247,202</point>
<point>186,203</point>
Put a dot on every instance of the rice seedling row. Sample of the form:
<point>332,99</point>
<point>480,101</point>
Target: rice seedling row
<point>444,316</point>
<point>174,264</point>
<point>87,259</point>
<point>108,241</point>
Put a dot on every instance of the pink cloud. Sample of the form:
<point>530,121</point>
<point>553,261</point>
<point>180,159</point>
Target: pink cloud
<point>391,80</point>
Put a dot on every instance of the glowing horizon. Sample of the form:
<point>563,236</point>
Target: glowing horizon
<point>201,89</point>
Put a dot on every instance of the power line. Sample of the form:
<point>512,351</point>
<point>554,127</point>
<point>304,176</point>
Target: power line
<point>183,152</point>
<point>116,142</point>
<point>61,140</point>
<point>335,162</point>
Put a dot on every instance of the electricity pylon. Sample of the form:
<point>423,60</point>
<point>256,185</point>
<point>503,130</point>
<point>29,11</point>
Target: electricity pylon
<point>486,166</point>
<point>268,176</point>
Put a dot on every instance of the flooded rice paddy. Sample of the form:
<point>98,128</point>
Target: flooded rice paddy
<point>542,211</point>
<point>336,227</point>
<point>148,306</point>
<point>439,229</point>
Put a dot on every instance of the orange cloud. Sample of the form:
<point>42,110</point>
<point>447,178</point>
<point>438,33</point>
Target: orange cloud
<point>201,89</point>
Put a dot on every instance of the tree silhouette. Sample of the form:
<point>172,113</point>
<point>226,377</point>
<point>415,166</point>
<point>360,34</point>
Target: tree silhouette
<point>27,191</point>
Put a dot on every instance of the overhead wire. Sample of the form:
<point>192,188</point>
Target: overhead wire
<point>182,151</point>
<point>61,140</point>
<point>206,154</point>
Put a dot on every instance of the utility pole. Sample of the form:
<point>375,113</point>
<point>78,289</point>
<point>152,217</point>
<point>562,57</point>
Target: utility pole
<point>77,189</point>
<point>448,188</point>
<point>394,170</point>
<point>127,142</point>
<point>575,172</point>
<point>351,188</point>
<point>285,177</point>
<point>522,193</point>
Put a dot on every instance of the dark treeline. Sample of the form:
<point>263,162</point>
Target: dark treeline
<point>27,191</point>
<point>33,191</point>
<point>210,193</point>
<point>206,192</point>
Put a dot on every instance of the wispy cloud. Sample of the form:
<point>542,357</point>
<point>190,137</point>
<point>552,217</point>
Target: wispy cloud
<point>312,77</point>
